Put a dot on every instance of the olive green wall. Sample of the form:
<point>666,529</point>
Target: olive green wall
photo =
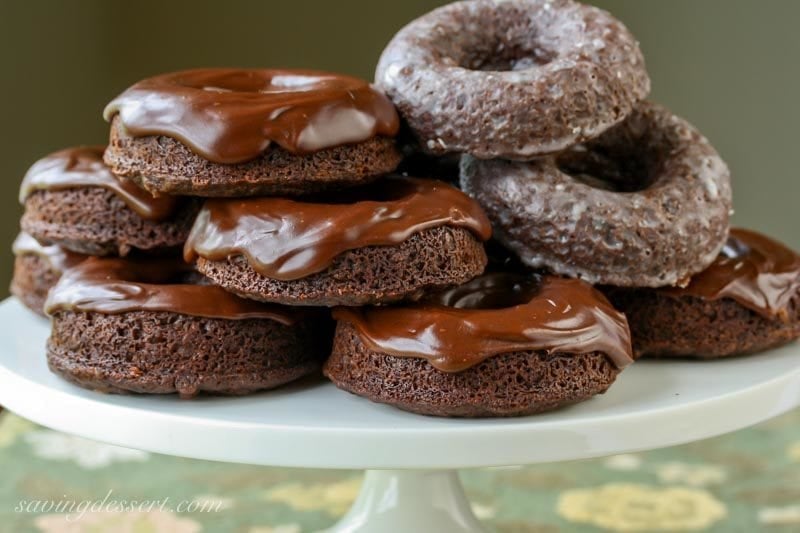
<point>730,66</point>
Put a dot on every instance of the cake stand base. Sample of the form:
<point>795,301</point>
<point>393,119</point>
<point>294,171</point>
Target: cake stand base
<point>400,501</point>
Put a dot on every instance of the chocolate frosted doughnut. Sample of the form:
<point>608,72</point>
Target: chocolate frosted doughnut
<point>391,240</point>
<point>37,268</point>
<point>73,200</point>
<point>501,345</point>
<point>155,326</point>
<point>248,132</point>
<point>748,300</point>
<point>512,79</point>
<point>645,205</point>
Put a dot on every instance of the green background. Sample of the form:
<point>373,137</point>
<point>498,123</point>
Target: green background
<point>730,66</point>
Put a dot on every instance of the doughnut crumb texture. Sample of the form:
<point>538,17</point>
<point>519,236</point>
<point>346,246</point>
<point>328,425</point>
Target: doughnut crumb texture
<point>163,352</point>
<point>95,221</point>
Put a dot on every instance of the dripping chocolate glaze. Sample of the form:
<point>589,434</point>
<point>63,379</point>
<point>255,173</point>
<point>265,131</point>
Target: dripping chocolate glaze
<point>757,272</point>
<point>114,285</point>
<point>233,115</point>
<point>57,257</point>
<point>456,331</point>
<point>83,167</point>
<point>288,239</point>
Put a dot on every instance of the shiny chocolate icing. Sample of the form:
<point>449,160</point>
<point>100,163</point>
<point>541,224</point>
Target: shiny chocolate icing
<point>114,285</point>
<point>759,273</point>
<point>57,257</point>
<point>288,239</point>
<point>233,115</point>
<point>83,167</point>
<point>496,314</point>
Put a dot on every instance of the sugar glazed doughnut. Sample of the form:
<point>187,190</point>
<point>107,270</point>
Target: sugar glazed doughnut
<point>747,301</point>
<point>154,326</point>
<point>512,79</point>
<point>645,205</point>
<point>501,345</point>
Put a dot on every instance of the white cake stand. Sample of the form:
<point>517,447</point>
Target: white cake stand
<point>411,484</point>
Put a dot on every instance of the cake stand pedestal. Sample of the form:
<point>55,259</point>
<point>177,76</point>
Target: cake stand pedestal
<point>411,483</point>
<point>410,500</point>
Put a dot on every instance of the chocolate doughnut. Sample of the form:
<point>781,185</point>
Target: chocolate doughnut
<point>37,268</point>
<point>748,300</point>
<point>514,79</point>
<point>73,200</point>
<point>647,204</point>
<point>122,325</point>
<point>501,345</point>
<point>391,240</point>
<point>248,132</point>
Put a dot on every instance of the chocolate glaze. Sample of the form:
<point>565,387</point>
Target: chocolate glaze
<point>496,290</point>
<point>496,314</point>
<point>759,273</point>
<point>58,258</point>
<point>114,285</point>
<point>83,167</point>
<point>288,239</point>
<point>232,115</point>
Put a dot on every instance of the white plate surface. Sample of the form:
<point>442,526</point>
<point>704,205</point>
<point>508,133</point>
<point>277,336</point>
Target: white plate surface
<point>652,405</point>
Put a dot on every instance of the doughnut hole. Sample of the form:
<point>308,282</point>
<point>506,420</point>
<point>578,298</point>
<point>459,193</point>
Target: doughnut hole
<point>499,54</point>
<point>618,169</point>
<point>490,291</point>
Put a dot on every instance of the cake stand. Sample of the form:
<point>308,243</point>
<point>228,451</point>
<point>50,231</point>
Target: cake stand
<point>411,482</point>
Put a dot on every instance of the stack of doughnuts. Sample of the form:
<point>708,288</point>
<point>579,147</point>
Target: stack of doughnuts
<point>245,228</point>
<point>584,178</point>
<point>192,157</point>
<point>201,250</point>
